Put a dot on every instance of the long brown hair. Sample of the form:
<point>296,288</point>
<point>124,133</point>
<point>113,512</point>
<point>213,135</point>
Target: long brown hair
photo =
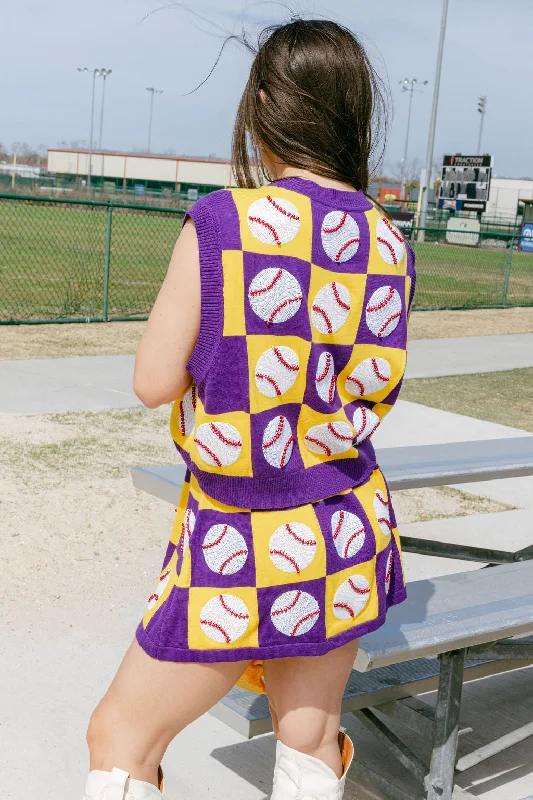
<point>324,109</point>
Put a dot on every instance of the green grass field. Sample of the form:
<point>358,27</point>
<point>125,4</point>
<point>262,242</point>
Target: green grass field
<point>52,264</point>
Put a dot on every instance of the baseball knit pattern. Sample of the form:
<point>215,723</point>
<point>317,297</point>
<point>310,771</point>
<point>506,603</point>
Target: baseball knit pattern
<point>302,345</point>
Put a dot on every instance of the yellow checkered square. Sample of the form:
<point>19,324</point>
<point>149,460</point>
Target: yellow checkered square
<point>375,500</point>
<point>376,264</point>
<point>222,619</point>
<point>233,271</point>
<point>274,221</point>
<point>335,305</point>
<point>278,370</point>
<point>351,598</point>
<point>324,437</point>
<point>220,441</point>
<point>372,372</point>
<point>288,546</point>
<point>167,579</point>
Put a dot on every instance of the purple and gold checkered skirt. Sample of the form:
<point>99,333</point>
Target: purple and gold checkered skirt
<point>254,585</point>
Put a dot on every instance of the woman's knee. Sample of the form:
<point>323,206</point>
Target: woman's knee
<point>111,734</point>
<point>306,731</point>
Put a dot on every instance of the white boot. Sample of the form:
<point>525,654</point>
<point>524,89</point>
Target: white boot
<point>298,776</point>
<point>117,785</point>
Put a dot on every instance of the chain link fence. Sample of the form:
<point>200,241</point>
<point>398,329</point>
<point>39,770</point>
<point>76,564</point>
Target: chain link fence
<point>65,261</point>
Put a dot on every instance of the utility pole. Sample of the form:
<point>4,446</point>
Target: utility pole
<point>104,73</point>
<point>89,166</point>
<point>433,122</point>
<point>482,108</point>
<point>152,93</point>
<point>407,86</point>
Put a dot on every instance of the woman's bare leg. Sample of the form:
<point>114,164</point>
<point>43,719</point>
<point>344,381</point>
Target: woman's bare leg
<point>148,703</point>
<point>305,697</point>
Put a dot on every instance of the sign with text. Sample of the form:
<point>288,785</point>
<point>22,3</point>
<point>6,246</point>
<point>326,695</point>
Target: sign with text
<point>465,181</point>
<point>526,242</point>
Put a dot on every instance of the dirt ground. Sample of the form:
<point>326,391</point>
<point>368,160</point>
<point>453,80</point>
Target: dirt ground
<point>69,509</point>
<point>121,338</point>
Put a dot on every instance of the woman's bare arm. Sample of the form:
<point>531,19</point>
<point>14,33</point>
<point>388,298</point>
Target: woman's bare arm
<point>172,329</point>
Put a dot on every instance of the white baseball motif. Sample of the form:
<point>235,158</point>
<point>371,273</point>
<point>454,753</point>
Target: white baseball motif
<point>273,220</point>
<point>368,377</point>
<point>365,423</point>
<point>278,442</point>
<point>224,549</point>
<point>340,236</point>
<point>326,379</point>
<point>275,295</point>
<point>388,572</point>
<point>390,242</point>
<point>384,311</point>
<point>294,612</point>
<point>224,618</point>
<point>348,533</point>
<point>218,444</point>
<point>187,528</point>
<point>382,511</point>
<point>331,307</point>
<point>160,588</point>
<point>276,371</point>
<point>329,438</point>
<point>187,411</point>
<point>351,597</point>
<point>292,547</point>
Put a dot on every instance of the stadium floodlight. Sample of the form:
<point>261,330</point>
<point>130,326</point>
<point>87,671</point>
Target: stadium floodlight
<point>482,108</point>
<point>95,72</point>
<point>433,122</point>
<point>104,73</point>
<point>408,86</point>
<point>152,93</point>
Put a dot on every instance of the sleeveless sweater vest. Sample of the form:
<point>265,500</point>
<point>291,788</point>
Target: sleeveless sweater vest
<point>302,344</point>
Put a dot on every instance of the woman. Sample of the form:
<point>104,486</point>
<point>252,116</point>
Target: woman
<point>280,335</point>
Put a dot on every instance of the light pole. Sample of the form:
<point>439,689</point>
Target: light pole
<point>152,92</point>
<point>408,86</point>
<point>482,108</point>
<point>89,167</point>
<point>104,73</point>
<point>433,122</point>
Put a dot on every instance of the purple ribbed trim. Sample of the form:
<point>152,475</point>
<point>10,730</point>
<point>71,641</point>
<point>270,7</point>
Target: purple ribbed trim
<point>212,308</point>
<point>287,490</point>
<point>348,201</point>
<point>267,652</point>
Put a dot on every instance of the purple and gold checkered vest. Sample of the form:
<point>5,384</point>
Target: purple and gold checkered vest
<point>302,344</point>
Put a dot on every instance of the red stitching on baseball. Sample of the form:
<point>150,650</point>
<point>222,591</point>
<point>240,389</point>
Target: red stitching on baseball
<point>230,610</point>
<point>386,521</point>
<point>165,575</point>
<point>369,434</point>
<point>276,436</point>
<point>338,435</point>
<point>392,230</point>
<point>388,244</point>
<point>339,525</point>
<point>218,627</point>
<point>221,436</point>
<point>350,540</point>
<point>290,440</point>
<point>345,606</point>
<point>209,452</point>
<point>275,279</point>
<point>292,367</point>
<point>270,380</point>
<point>363,414</point>
<point>389,569</point>
<point>217,541</point>
<point>377,372</point>
<point>326,370</point>
<point>381,499</point>
<point>282,210</point>
<point>287,608</point>
<point>358,382</point>
<point>298,538</point>
<point>319,443</point>
<point>153,597</point>
<point>342,304</point>
<point>230,558</point>
<point>383,302</point>
<point>270,227</point>
<point>331,394</point>
<point>304,619</point>
<point>286,302</point>
<point>326,318</point>
<point>345,247</point>
<point>356,589</point>
<point>287,556</point>
<point>388,321</point>
<point>182,419</point>
<point>337,227</point>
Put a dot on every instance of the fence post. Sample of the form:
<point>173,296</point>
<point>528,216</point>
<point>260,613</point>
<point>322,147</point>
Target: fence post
<point>507,273</point>
<point>107,261</point>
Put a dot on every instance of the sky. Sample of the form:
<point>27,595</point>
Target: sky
<point>165,45</point>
